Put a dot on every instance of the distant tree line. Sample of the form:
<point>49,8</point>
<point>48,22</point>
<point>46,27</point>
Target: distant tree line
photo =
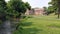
<point>48,10</point>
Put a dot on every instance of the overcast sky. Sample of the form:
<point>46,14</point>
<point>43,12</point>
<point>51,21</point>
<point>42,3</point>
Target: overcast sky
<point>37,3</point>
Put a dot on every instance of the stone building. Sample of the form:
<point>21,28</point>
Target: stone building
<point>35,11</point>
<point>38,11</point>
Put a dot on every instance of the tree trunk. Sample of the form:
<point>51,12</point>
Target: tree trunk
<point>58,13</point>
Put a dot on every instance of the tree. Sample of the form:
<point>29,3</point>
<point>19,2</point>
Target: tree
<point>56,6</point>
<point>28,5</point>
<point>50,10</point>
<point>45,10</point>
<point>2,9</point>
<point>12,9</point>
<point>18,6</point>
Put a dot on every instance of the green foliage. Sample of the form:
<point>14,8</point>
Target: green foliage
<point>17,7</point>
<point>28,6</point>
<point>50,10</point>
<point>56,6</point>
<point>13,9</point>
<point>3,8</point>
<point>45,8</point>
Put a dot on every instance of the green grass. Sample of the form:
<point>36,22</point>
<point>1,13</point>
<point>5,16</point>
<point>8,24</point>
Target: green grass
<point>42,25</point>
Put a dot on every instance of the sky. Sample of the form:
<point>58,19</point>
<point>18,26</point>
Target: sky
<point>37,3</point>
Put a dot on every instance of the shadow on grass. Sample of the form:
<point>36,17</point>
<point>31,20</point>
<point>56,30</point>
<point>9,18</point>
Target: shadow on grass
<point>27,24</point>
<point>20,25</point>
<point>31,30</point>
<point>54,26</point>
<point>28,31</point>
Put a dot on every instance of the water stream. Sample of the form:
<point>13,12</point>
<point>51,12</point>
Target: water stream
<point>6,28</point>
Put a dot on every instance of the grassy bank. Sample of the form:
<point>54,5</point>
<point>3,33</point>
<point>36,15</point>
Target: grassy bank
<point>41,25</point>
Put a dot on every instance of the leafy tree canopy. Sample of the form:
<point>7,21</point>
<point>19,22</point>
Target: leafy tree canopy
<point>17,7</point>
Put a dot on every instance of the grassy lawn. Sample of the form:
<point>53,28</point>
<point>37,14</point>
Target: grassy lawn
<point>42,25</point>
